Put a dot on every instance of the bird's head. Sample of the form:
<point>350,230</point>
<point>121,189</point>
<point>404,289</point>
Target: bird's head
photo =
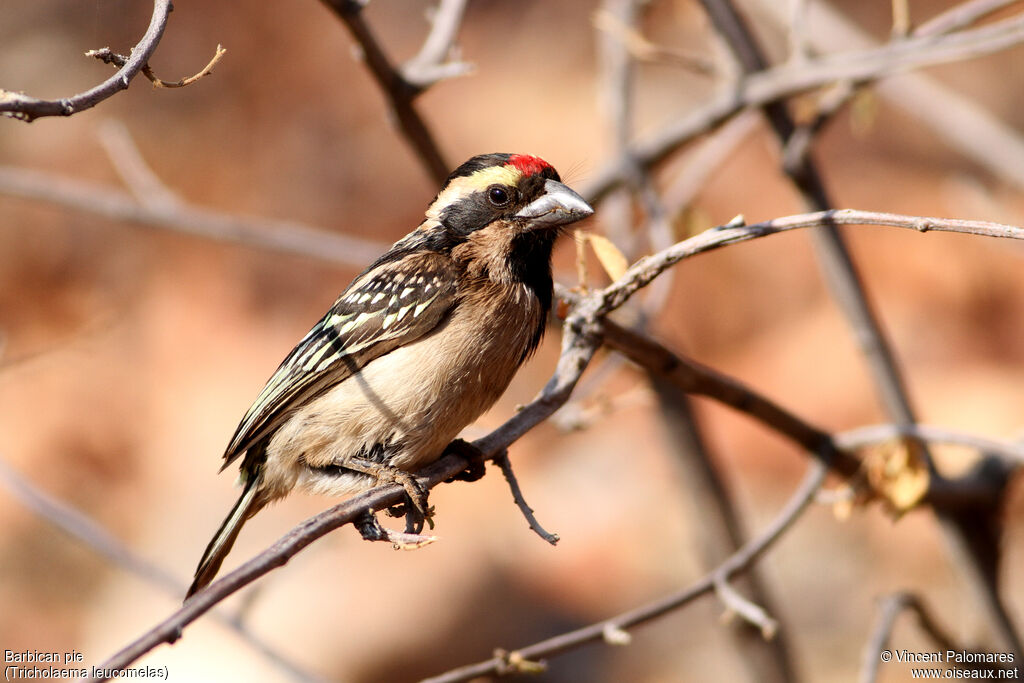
<point>499,215</point>
<point>522,192</point>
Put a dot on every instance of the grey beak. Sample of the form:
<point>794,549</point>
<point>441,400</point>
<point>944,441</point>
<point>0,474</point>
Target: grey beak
<point>559,205</point>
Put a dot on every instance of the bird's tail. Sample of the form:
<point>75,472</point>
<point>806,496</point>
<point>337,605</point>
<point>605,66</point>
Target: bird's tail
<point>225,537</point>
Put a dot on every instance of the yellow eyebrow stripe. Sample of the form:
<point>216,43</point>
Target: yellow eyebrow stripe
<point>475,182</point>
<point>505,175</point>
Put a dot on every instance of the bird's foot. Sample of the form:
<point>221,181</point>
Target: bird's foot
<point>416,511</point>
<point>476,467</point>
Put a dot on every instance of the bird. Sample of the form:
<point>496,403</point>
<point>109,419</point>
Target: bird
<point>418,346</point>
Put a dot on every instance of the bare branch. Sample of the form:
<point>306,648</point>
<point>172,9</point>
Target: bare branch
<point>751,612</point>
<point>431,64</point>
<point>736,564</point>
<point>784,81</point>
<point>955,119</point>
<point>891,608</point>
<point>396,88</point>
<point>642,49</point>
<point>26,108</point>
<point>283,236</point>
<point>133,170</point>
<point>646,269</point>
<point>85,530</point>
<point>960,16</point>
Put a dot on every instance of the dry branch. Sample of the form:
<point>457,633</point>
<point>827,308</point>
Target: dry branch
<point>736,564</point>
<point>107,56</point>
<point>784,81</point>
<point>27,108</point>
<point>178,216</point>
<point>399,91</point>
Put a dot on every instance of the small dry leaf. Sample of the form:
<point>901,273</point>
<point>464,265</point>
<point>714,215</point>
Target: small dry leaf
<point>691,221</point>
<point>898,472</point>
<point>580,238</point>
<point>864,112</point>
<point>612,260</point>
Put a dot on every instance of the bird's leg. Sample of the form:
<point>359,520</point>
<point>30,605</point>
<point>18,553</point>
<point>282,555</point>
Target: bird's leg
<point>417,512</point>
<point>476,468</point>
<point>369,528</point>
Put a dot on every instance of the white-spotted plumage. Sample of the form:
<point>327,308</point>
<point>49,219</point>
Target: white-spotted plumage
<point>416,348</point>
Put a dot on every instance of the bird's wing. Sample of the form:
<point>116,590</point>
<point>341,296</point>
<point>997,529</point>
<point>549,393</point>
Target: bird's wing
<point>388,306</point>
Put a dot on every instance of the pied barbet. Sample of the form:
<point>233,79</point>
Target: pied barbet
<point>415,349</point>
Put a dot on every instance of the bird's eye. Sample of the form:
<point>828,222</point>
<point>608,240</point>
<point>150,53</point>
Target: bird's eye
<point>498,195</point>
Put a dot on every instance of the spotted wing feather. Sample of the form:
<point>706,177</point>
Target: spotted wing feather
<point>386,307</point>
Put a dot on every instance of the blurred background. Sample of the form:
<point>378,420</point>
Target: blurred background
<point>128,353</point>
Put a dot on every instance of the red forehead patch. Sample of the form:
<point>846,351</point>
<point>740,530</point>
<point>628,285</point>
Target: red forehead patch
<point>528,165</point>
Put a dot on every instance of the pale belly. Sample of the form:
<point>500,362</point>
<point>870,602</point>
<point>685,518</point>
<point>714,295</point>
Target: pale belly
<point>410,403</point>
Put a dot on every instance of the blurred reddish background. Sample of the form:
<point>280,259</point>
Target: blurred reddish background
<point>129,353</point>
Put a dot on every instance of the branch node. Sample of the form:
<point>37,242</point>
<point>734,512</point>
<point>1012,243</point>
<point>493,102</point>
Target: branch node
<point>614,635</point>
<point>738,605</point>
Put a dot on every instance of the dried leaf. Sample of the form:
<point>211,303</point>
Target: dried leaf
<point>580,238</point>
<point>898,472</point>
<point>612,260</point>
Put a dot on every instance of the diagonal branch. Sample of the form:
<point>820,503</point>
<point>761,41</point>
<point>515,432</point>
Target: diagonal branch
<point>178,216</point>
<point>737,563</point>
<point>578,345</point>
<point>431,64</point>
<point>27,108</point>
<point>399,91</point>
<point>780,82</point>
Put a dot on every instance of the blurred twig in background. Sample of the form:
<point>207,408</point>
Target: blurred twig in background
<point>639,214</point>
<point>26,108</point>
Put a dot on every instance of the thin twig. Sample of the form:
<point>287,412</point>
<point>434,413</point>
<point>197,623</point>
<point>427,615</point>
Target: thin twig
<point>891,608</point>
<point>642,49</point>
<point>431,63</point>
<point>644,270</point>
<point>107,56</point>
<point>960,16</point>
<point>750,611</point>
<point>784,81</point>
<point>27,108</point>
<point>132,168</point>
<point>517,495</point>
<point>737,563</point>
